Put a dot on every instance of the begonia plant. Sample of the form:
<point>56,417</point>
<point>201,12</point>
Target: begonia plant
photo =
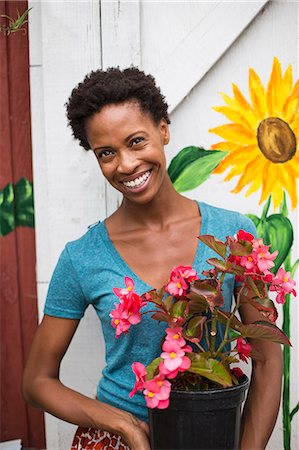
<point>193,357</point>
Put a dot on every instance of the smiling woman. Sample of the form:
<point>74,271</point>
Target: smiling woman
<point>122,117</point>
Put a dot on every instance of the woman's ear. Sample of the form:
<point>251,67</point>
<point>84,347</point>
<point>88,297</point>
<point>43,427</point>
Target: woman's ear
<point>164,129</point>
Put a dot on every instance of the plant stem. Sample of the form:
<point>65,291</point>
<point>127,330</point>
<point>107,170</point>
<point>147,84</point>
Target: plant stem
<point>225,340</point>
<point>213,332</point>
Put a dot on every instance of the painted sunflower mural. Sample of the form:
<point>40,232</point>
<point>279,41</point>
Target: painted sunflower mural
<point>262,138</point>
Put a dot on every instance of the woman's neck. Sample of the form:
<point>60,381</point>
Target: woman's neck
<point>164,209</point>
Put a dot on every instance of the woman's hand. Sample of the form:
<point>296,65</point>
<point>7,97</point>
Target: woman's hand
<point>136,434</point>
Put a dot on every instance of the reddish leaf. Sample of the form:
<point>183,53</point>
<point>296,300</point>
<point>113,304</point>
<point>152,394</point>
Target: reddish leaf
<point>194,328</point>
<point>265,330</point>
<point>265,306</point>
<point>238,249</point>
<point>197,303</point>
<point>161,316</point>
<point>218,263</point>
<point>215,244</point>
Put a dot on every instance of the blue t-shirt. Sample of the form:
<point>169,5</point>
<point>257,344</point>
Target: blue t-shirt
<point>87,271</point>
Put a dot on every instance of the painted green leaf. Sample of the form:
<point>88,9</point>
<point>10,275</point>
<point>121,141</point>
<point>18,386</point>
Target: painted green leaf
<point>192,166</point>
<point>16,206</point>
<point>276,230</point>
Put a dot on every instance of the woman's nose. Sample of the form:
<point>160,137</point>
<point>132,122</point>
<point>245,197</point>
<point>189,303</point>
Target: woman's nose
<point>127,162</point>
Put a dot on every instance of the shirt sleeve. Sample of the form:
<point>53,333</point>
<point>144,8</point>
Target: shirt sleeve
<point>65,297</point>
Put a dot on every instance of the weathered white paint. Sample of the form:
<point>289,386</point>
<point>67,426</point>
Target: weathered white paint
<point>179,42</point>
<point>65,44</point>
<point>217,26</point>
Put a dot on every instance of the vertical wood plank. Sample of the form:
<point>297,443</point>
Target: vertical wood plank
<point>18,294</point>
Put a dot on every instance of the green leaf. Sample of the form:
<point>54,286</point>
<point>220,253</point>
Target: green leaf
<point>265,330</point>
<point>16,206</point>
<point>179,308</point>
<point>7,210</point>
<point>210,368</point>
<point>294,411</point>
<point>218,263</point>
<point>194,328</point>
<point>215,244</point>
<point>192,166</point>
<point>283,206</point>
<point>168,302</point>
<point>152,367</point>
<point>24,203</point>
<point>197,303</point>
<point>238,249</point>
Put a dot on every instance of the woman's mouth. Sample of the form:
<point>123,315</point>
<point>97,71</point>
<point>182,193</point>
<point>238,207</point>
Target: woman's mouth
<point>137,182</point>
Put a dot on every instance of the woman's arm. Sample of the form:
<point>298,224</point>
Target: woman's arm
<point>43,389</point>
<point>262,404</point>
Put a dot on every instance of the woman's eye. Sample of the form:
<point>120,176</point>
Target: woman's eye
<point>105,153</point>
<point>137,140</point>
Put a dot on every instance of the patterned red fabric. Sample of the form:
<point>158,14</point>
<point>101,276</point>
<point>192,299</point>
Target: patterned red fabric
<point>91,439</point>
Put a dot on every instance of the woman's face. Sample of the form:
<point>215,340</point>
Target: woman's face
<point>129,148</point>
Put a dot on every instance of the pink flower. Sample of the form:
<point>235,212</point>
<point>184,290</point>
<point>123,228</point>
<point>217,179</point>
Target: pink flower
<point>119,320</point>
<point>140,372</point>
<point>180,279</point>
<point>263,257</point>
<point>260,260</point>
<point>127,312</point>
<point>283,284</point>
<point>243,349</point>
<point>157,392</point>
<point>175,334</point>
<point>174,359</point>
<point>124,292</point>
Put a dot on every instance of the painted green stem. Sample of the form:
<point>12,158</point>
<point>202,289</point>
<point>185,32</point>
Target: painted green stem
<point>286,378</point>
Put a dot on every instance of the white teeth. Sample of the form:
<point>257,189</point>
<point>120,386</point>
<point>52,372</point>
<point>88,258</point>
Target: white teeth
<point>138,181</point>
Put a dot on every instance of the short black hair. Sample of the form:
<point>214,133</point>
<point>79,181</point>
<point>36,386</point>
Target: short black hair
<point>104,87</point>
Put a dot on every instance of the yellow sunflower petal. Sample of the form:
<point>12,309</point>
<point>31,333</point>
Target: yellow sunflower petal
<point>286,87</point>
<point>274,101</point>
<point>257,94</point>
<point>255,185</point>
<point>269,180</point>
<point>226,146</point>
<point>234,132</point>
<point>245,108</point>
<point>294,122</point>
<point>277,196</point>
<point>233,116</point>
<point>253,170</point>
<point>292,166</point>
<point>291,105</point>
<point>289,184</point>
<point>239,158</point>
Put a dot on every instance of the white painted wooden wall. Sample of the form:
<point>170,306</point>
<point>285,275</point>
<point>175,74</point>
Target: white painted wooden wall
<point>194,49</point>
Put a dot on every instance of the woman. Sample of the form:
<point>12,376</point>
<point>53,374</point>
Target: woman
<point>122,117</point>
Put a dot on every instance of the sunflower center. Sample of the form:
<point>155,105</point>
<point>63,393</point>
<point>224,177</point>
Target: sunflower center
<point>276,140</point>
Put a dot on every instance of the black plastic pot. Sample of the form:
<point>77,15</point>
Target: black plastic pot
<point>203,420</point>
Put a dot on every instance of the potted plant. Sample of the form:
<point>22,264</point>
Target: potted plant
<point>193,388</point>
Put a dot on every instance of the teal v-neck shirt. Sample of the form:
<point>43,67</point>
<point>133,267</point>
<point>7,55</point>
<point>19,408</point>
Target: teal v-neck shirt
<point>87,271</point>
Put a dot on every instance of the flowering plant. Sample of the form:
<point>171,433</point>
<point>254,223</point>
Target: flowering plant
<point>192,308</point>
